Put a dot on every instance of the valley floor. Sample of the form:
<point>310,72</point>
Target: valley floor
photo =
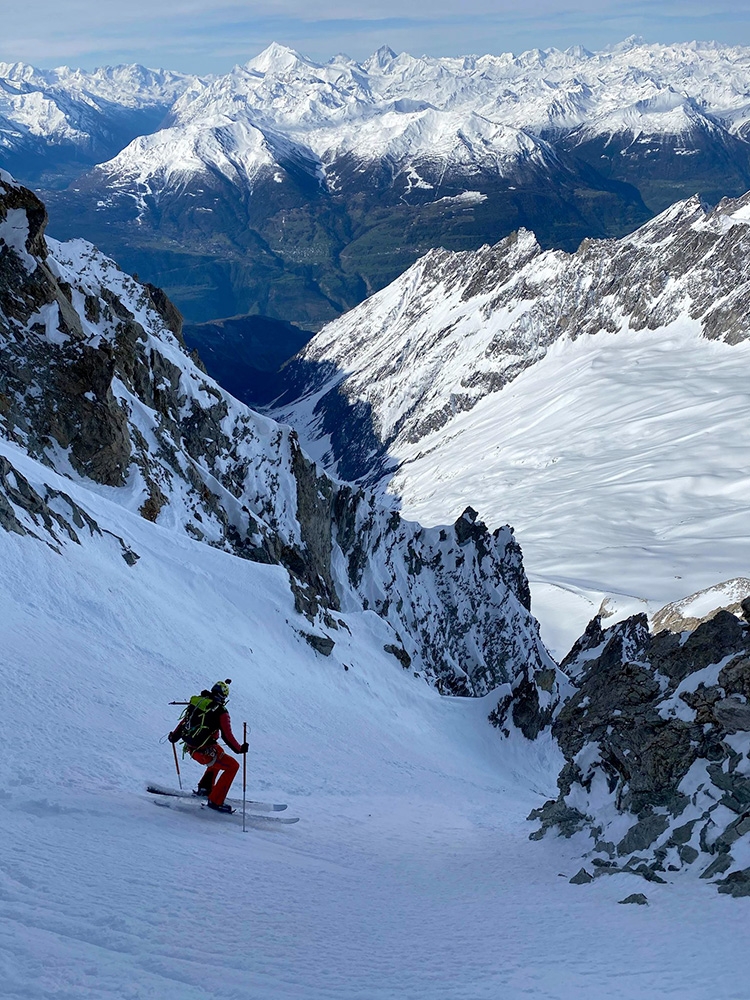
<point>410,874</point>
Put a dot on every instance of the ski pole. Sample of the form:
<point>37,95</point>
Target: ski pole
<point>244,775</point>
<point>177,765</point>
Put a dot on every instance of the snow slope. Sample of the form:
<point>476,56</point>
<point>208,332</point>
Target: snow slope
<point>410,873</point>
<point>623,462</point>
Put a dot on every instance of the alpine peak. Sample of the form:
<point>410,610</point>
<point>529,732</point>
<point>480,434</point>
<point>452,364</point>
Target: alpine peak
<point>277,58</point>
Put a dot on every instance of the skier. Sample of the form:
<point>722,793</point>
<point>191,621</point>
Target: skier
<point>205,717</point>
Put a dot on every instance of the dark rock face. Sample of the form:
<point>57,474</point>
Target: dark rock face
<point>581,877</point>
<point>657,745</point>
<point>736,883</point>
<point>320,643</point>
<point>96,384</point>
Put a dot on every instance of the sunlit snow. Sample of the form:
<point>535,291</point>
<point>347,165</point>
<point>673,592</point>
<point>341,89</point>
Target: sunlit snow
<point>410,873</point>
<point>623,462</point>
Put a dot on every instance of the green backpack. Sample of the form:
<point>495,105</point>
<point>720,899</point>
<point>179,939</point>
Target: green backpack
<point>201,720</point>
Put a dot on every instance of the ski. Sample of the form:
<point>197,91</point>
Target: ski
<point>197,806</point>
<point>237,803</point>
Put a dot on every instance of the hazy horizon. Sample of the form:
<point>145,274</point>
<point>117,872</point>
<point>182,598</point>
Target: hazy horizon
<point>211,36</point>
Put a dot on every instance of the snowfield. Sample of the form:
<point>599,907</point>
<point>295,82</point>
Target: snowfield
<point>623,463</point>
<point>409,875</point>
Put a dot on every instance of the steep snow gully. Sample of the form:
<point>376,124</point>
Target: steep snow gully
<point>410,874</point>
<point>130,487</point>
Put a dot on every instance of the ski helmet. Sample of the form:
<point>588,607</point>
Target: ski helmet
<point>220,691</point>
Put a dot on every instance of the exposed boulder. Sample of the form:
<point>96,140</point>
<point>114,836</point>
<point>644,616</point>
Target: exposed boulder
<point>581,877</point>
<point>736,883</point>
<point>657,746</point>
<point>320,643</point>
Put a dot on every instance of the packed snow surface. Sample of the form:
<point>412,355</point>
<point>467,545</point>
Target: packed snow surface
<point>409,874</point>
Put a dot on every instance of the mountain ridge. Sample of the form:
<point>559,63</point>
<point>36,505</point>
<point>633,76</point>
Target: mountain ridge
<point>117,404</point>
<point>332,178</point>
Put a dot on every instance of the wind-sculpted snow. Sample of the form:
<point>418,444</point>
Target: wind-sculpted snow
<point>95,382</point>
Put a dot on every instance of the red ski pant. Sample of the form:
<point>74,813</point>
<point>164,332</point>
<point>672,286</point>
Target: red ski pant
<point>221,767</point>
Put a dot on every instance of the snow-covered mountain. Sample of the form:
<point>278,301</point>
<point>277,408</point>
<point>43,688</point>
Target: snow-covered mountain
<point>468,113</point>
<point>155,533</point>
<point>600,396</point>
<point>304,186</point>
<point>293,189</point>
<point>53,123</point>
<point>97,385</point>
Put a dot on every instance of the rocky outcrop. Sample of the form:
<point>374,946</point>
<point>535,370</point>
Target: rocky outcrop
<point>657,747</point>
<point>687,614</point>
<point>52,517</point>
<point>95,383</point>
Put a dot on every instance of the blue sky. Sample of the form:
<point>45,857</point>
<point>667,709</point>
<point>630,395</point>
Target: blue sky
<point>209,36</point>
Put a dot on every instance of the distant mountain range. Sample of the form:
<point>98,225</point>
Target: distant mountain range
<point>56,123</point>
<point>294,189</point>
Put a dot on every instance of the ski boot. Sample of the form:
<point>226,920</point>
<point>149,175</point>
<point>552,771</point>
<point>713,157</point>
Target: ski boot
<point>224,808</point>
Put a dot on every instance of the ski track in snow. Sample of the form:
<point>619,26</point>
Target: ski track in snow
<point>410,874</point>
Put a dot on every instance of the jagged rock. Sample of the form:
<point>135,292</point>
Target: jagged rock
<point>688,854</point>
<point>643,834</point>
<point>400,653</point>
<point>320,643</point>
<point>102,389</point>
<point>53,517</point>
<point>718,866</point>
<point>735,677</point>
<point>582,877</point>
<point>635,897</point>
<point>736,884</point>
<point>650,731</point>
<point>167,310</point>
<point>556,813</point>
<point>525,707</point>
